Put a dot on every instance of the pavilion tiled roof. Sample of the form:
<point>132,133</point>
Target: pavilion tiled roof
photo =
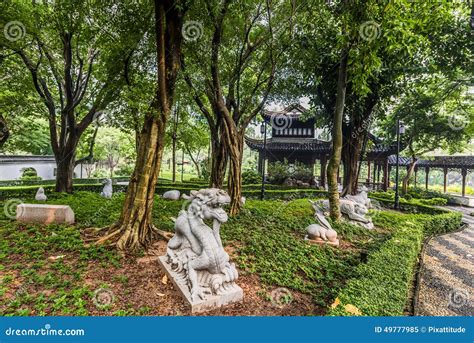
<point>290,144</point>
<point>437,162</point>
<point>293,111</point>
<point>311,145</point>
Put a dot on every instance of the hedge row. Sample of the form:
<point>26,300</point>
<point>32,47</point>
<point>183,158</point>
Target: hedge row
<point>284,194</point>
<point>386,279</point>
<point>410,206</point>
<point>52,182</point>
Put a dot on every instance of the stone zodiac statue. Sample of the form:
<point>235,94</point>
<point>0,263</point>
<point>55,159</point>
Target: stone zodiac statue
<point>107,191</point>
<point>195,253</point>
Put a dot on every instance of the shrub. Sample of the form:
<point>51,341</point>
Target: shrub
<point>161,187</point>
<point>434,201</point>
<point>421,193</point>
<point>385,280</point>
<point>278,172</point>
<point>251,177</point>
<point>29,174</point>
<point>125,169</point>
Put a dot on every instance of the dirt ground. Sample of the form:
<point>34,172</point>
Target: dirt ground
<point>147,286</point>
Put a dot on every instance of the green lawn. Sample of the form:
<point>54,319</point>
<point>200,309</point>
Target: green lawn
<point>266,240</point>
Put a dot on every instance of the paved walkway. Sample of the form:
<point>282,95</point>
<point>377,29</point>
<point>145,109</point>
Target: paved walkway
<point>447,279</point>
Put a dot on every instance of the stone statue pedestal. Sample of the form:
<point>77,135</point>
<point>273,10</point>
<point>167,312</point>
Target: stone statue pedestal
<point>322,241</point>
<point>231,293</point>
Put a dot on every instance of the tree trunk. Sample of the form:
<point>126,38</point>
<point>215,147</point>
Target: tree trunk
<point>219,159</point>
<point>173,157</point>
<point>135,223</point>
<point>195,161</point>
<point>65,170</point>
<point>234,181</point>
<point>4,132</point>
<point>135,227</point>
<point>335,159</point>
<point>351,157</point>
<point>410,171</point>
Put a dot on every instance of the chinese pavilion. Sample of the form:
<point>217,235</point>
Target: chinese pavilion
<point>295,139</point>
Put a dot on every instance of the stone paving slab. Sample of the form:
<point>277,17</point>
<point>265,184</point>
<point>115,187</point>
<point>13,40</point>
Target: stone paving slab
<point>447,273</point>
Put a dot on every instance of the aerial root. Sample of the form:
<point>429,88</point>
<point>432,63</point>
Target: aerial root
<point>166,235</point>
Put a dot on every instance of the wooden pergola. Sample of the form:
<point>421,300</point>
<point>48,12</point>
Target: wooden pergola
<point>444,163</point>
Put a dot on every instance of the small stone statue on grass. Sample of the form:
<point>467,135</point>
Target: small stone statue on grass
<point>40,196</point>
<point>321,233</point>
<point>107,191</point>
<point>171,195</point>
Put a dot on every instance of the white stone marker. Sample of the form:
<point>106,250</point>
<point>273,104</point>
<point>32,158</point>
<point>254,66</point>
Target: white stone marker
<point>44,214</point>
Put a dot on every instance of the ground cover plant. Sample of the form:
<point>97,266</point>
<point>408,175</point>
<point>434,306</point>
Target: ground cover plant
<point>49,270</point>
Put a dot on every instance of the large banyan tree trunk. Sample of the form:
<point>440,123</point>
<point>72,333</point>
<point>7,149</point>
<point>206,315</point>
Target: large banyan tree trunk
<point>135,225</point>
<point>219,158</point>
<point>65,163</point>
<point>135,228</point>
<point>234,182</point>
<point>351,151</point>
<point>335,159</point>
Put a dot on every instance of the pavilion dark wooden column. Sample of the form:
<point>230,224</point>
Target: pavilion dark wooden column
<point>368,173</point>
<point>463,174</point>
<point>323,172</point>
<point>386,182</point>
<point>260,164</point>
<point>445,179</point>
<point>379,169</point>
<point>374,179</point>
<point>427,173</point>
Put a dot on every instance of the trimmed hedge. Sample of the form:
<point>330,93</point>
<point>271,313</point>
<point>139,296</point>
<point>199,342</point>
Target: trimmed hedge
<point>251,193</point>
<point>386,279</point>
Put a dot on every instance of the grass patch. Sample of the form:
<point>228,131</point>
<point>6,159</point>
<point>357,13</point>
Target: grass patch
<point>265,239</point>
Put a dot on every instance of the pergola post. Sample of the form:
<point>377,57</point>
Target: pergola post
<point>385,175</point>
<point>379,168</point>
<point>368,173</point>
<point>323,172</point>
<point>427,172</point>
<point>464,174</point>
<point>259,165</point>
<point>374,180</point>
<point>445,179</point>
